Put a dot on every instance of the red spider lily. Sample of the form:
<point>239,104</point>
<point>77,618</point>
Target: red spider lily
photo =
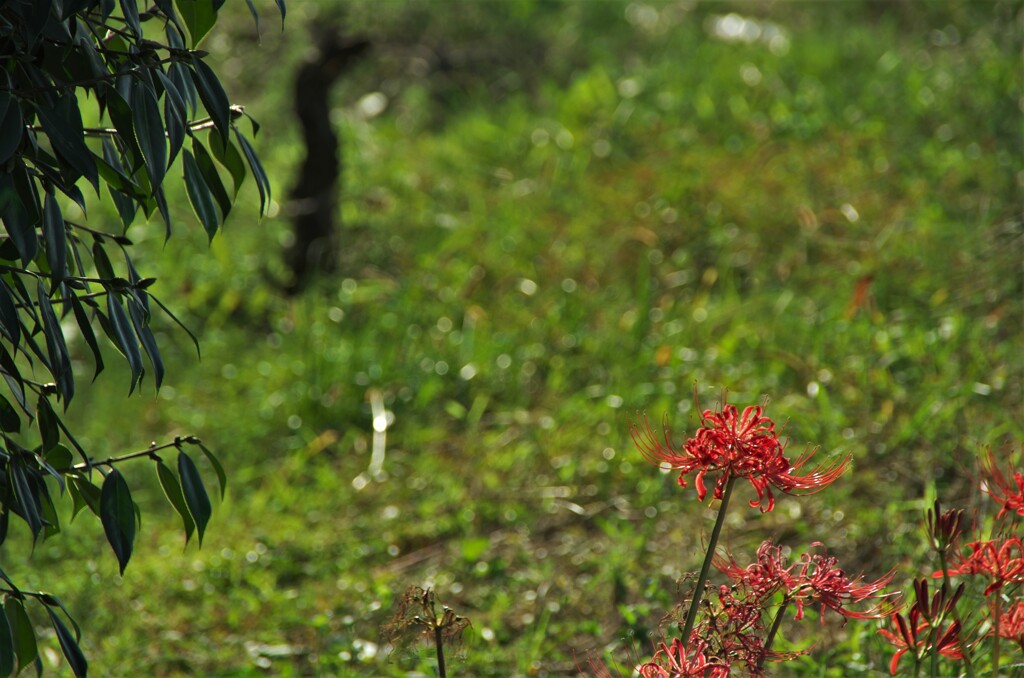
<point>1006,487</point>
<point>763,577</point>
<point>1011,623</point>
<point>737,445</point>
<point>676,661</point>
<point>822,582</point>
<point>1002,560</point>
<point>911,636</point>
<point>819,581</point>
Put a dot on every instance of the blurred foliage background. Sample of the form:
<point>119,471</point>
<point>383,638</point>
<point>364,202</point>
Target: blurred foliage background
<point>554,216</point>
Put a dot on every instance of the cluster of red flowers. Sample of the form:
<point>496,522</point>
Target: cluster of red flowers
<point>925,629</point>
<point>1011,624</point>
<point>1000,560</point>
<point>734,445</point>
<point>678,661</point>
<point>731,445</point>
<point>936,629</point>
<point>815,579</point>
<point>1006,487</point>
<point>732,633</point>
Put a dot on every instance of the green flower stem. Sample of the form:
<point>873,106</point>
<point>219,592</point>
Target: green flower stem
<point>439,644</point>
<point>995,632</point>
<point>771,634</point>
<point>965,650</point>
<point>932,637</point>
<point>698,594</point>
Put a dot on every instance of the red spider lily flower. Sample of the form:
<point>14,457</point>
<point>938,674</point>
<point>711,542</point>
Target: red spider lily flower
<point>910,636</point>
<point>732,444</point>
<point>822,582</point>
<point>1002,560</point>
<point>676,661</point>
<point>1006,487</point>
<point>763,577</point>
<point>1011,623</point>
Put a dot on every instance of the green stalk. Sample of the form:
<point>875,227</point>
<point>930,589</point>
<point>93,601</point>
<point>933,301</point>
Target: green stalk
<point>771,634</point>
<point>698,594</point>
<point>932,636</point>
<point>968,666</point>
<point>995,634</point>
<point>439,644</point>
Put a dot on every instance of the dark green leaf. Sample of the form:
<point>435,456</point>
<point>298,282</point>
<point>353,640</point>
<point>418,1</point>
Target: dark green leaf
<point>149,131</point>
<point>228,156</point>
<point>258,173</point>
<point>137,285</point>
<point>112,169</point>
<point>10,420</point>
<point>85,327</point>
<point>255,15</point>
<point>131,16</point>
<point>24,636</point>
<point>48,512</point>
<point>180,75</point>
<point>76,266</point>
<point>7,652</point>
<point>55,237</point>
<point>123,118</point>
<point>63,125</point>
<point>10,324</point>
<point>58,460</point>
<point>119,186</point>
<point>46,419</point>
<point>69,646</point>
<point>125,337</point>
<point>102,262</point>
<point>117,512</point>
<point>212,93</point>
<point>212,177</point>
<point>174,115</point>
<point>195,493</point>
<point>13,378</point>
<point>141,322</point>
<point>199,17</point>
<point>172,489</point>
<point>161,203</point>
<point>84,493</point>
<point>26,495</point>
<point>60,360</point>
<point>222,477</point>
<point>17,221</point>
<point>177,322</point>
<point>200,197</point>
<point>12,126</point>
<point>53,601</point>
<point>167,7</point>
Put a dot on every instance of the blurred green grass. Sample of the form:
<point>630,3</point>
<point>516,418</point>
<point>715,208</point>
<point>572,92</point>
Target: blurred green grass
<point>827,215</point>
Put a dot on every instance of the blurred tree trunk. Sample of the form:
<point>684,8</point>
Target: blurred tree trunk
<point>314,195</point>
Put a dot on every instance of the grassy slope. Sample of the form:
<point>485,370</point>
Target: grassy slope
<point>581,254</point>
